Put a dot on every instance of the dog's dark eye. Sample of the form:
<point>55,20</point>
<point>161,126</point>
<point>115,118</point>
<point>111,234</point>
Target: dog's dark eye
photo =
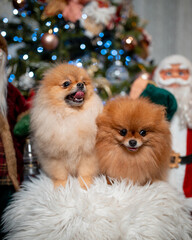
<point>123,132</point>
<point>66,84</point>
<point>143,133</point>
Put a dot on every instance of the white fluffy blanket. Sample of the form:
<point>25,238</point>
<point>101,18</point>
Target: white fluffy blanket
<point>103,212</point>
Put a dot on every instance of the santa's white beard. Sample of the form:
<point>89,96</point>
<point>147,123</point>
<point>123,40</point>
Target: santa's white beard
<point>3,86</point>
<point>183,95</point>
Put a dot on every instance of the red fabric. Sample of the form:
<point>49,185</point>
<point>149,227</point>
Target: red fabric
<point>187,184</point>
<point>16,105</point>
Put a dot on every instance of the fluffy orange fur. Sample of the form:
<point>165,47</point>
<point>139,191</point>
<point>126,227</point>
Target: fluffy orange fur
<point>133,140</point>
<point>63,124</point>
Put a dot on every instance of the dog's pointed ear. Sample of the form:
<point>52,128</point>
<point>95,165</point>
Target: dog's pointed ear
<point>162,111</point>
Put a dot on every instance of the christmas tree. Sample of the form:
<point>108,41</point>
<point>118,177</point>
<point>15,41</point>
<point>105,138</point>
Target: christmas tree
<point>105,37</point>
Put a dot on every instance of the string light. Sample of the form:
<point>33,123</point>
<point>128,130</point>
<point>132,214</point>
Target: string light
<point>104,51</point>
<point>25,56</point>
<point>31,74</point>
<point>3,33</point>
<point>23,14</point>
<point>5,20</point>
<point>121,51</point>
<point>15,11</point>
<point>108,44</point>
<point>99,43</point>
<point>114,52</point>
<point>82,46</point>
<point>101,34</point>
<point>66,26</point>
<point>11,78</point>
<point>55,29</point>
<point>60,15</point>
<point>84,16</point>
<point>128,58</point>
<point>48,24</point>
<point>40,49</point>
<point>9,57</point>
<point>54,57</point>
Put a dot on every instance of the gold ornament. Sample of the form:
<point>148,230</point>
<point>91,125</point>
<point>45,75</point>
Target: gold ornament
<point>103,83</point>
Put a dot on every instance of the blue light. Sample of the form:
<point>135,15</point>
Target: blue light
<point>101,34</point>
<point>82,46</point>
<point>59,15</point>
<point>121,51</point>
<point>34,39</point>
<point>23,14</point>
<point>104,51</point>
<point>5,20</point>
<point>126,63</point>
<point>54,57</point>
<point>78,60</point>
<point>71,62</point>
<point>11,78</point>
<point>41,8</point>
<point>40,49</point>
<point>20,39</point>
<point>15,39</point>
<point>128,59</point>
<point>99,43</point>
<point>108,44</point>
<point>66,26</point>
<point>29,12</point>
<point>41,34</point>
<point>48,24</point>
<point>114,52</point>
<point>9,57</point>
<point>110,58</point>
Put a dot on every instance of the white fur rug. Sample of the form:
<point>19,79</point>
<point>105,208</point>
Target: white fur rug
<point>103,212</point>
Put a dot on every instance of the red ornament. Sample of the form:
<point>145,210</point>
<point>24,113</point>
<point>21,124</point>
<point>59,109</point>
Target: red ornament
<point>49,41</point>
<point>129,43</point>
<point>19,4</point>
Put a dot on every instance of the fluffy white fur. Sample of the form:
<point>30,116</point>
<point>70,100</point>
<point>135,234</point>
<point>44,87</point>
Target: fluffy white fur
<point>116,212</point>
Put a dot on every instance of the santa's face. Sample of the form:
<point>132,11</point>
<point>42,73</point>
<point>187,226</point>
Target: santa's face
<point>175,75</point>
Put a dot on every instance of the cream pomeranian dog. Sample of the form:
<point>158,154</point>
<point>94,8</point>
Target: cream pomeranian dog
<point>63,124</point>
<point>133,140</point>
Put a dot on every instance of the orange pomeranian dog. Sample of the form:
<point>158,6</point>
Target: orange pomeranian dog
<point>133,140</point>
<point>63,124</point>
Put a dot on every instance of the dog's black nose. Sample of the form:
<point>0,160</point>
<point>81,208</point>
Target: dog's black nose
<point>132,143</point>
<point>80,85</point>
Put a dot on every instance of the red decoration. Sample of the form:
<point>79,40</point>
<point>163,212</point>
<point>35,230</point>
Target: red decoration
<point>49,41</point>
<point>19,4</point>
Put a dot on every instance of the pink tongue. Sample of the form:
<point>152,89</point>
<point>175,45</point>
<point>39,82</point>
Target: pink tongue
<point>79,94</point>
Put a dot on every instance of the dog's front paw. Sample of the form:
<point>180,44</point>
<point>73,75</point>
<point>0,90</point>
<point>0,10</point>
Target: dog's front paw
<point>58,183</point>
<point>85,181</point>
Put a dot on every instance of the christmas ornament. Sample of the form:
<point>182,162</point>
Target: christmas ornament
<point>49,41</point>
<point>19,4</point>
<point>26,82</point>
<point>129,43</point>
<point>101,83</point>
<point>30,161</point>
<point>117,73</point>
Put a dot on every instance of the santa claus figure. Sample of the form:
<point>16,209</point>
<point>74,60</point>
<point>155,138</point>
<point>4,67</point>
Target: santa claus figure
<point>174,74</point>
<point>12,105</point>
